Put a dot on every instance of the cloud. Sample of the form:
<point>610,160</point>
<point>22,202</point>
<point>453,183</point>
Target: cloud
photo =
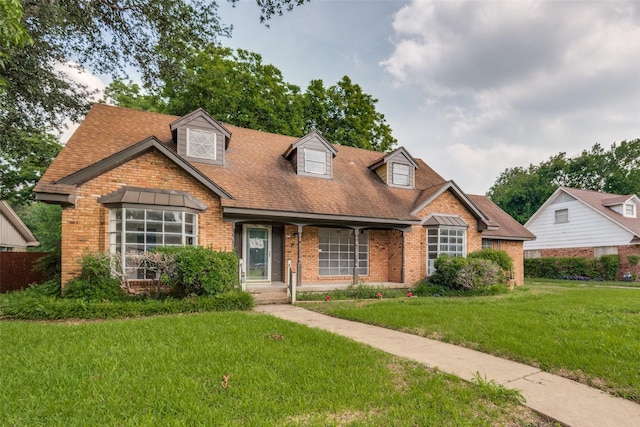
<point>502,75</point>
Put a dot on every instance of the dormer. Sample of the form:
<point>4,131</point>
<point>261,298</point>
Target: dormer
<point>396,169</point>
<point>627,206</point>
<point>200,138</point>
<point>312,155</point>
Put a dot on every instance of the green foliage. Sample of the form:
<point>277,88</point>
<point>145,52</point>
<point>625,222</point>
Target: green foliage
<point>499,257</point>
<point>521,191</point>
<point>22,165</point>
<point>603,268</point>
<point>237,87</point>
<point>610,266</point>
<point>353,292</point>
<point>428,289</point>
<point>94,282</point>
<point>496,392</point>
<point>201,271</point>
<point>633,259</point>
<point>50,288</point>
<point>36,303</point>
<point>12,33</point>
<point>464,273</point>
<point>44,221</point>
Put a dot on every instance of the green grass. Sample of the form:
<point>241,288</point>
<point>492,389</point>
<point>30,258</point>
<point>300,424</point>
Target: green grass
<point>225,369</point>
<point>581,331</point>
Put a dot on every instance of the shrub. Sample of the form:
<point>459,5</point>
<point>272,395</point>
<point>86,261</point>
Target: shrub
<point>633,259</point>
<point>49,288</point>
<point>610,265</point>
<point>29,306</point>
<point>465,273</point>
<point>95,281</point>
<point>201,271</point>
<point>428,289</point>
<point>498,256</point>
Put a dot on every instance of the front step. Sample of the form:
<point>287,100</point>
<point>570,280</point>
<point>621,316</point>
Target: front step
<point>270,295</point>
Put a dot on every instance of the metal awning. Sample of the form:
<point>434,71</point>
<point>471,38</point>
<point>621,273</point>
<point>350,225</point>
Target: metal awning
<point>152,197</point>
<point>445,220</point>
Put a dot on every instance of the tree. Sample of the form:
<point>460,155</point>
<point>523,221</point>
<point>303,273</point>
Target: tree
<point>238,88</point>
<point>346,115</point>
<point>106,36</point>
<point>521,191</point>
<point>21,168</point>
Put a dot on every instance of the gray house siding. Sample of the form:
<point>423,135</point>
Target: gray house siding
<point>199,123</point>
<point>300,159</point>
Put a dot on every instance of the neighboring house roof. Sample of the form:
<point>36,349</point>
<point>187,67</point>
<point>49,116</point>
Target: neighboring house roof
<point>256,176</point>
<point>16,223</point>
<point>509,228</point>
<point>599,202</point>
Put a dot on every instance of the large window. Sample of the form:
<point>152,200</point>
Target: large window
<point>133,230</point>
<point>401,174</point>
<point>315,161</point>
<point>445,240</point>
<point>629,210</point>
<point>337,252</point>
<point>201,144</point>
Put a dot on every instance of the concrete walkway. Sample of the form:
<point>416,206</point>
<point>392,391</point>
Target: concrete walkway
<point>561,399</point>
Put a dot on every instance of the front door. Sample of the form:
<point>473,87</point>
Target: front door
<point>257,253</point>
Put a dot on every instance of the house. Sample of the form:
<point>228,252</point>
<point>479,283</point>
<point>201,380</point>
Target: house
<point>15,236</point>
<point>132,180</point>
<point>582,223</point>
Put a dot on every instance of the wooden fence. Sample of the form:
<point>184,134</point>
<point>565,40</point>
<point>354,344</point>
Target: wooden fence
<point>16,270</point>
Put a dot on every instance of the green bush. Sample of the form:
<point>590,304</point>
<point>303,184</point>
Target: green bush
<point>30,306</point>
<point>603,268</point>
<point>428,289</point>
<point>633,259</point>
<point>610,265</point>
<point>95,281</point>
<point>353,292</point>
<point>498,256</point>
<point>201,271</point>
<point>49,288</point>
<point>465,273</point>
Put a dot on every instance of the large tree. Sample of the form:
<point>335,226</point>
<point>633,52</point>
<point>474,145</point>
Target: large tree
<point>105,36</point>
<point>521,191</point>
<point>238,88</point>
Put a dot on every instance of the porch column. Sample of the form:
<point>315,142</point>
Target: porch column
<point>356,256</point>
<point>299,266</point>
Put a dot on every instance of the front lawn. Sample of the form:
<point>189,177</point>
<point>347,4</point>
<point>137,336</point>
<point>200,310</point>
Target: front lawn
<point>225,369</point>
<point>581,331</point>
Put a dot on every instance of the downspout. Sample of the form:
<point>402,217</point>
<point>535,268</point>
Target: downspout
<point>402,265</point>
<point>299,266</point>
<point>356,257</point>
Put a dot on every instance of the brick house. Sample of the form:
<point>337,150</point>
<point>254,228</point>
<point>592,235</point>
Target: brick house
<point>586,224</point>
<point>132,180</point>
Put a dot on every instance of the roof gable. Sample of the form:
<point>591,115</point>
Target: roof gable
<point>430,194</point>
<point>313,136</point>
<point>399,154</point>
<point>12,218</point>
<point>200,113</point>
<point>121,157</point>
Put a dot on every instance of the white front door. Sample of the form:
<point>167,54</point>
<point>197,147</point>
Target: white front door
<point>257,252</point>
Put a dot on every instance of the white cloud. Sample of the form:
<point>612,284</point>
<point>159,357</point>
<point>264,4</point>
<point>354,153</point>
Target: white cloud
<point>501,77</point>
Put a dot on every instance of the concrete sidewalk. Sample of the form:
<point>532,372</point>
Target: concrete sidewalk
<point>563,400</point>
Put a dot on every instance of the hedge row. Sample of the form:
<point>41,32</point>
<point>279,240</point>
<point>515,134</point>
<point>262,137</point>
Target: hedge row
<point>604,268</point>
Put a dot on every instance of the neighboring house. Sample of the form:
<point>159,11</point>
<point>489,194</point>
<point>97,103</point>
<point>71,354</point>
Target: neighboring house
<point>15,236</point>
<point>132,180</point>
<point>582,223</point>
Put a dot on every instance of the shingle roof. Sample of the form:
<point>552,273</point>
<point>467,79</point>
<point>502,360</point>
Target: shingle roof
<point>600,201</point>
<point>255,174</point>
<point>508,228</point>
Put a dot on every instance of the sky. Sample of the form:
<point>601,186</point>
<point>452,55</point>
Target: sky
<point>470,87</point>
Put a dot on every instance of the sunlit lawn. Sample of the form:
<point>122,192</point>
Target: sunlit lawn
<point>582,331</point>
<point>224,369</point>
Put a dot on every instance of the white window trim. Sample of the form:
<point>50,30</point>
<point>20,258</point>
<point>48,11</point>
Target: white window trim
<point>632,207</point>
<point>438,252</point>
<point>215,144</point>
<point>394,165</point>
<point>324,162</point>
<point>114,246</point>
<point>559,216</point>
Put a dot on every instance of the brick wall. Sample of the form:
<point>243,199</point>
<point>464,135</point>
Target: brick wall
<point>85,227</point>
<point>516,252</point>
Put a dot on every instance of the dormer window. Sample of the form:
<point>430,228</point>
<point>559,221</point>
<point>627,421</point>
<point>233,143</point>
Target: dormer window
<point>630,210</point>
<point>200,138</point>
<point>201,144</point>
<point>315,161</point>
<point>312,155</point>
<point>401,174</point>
